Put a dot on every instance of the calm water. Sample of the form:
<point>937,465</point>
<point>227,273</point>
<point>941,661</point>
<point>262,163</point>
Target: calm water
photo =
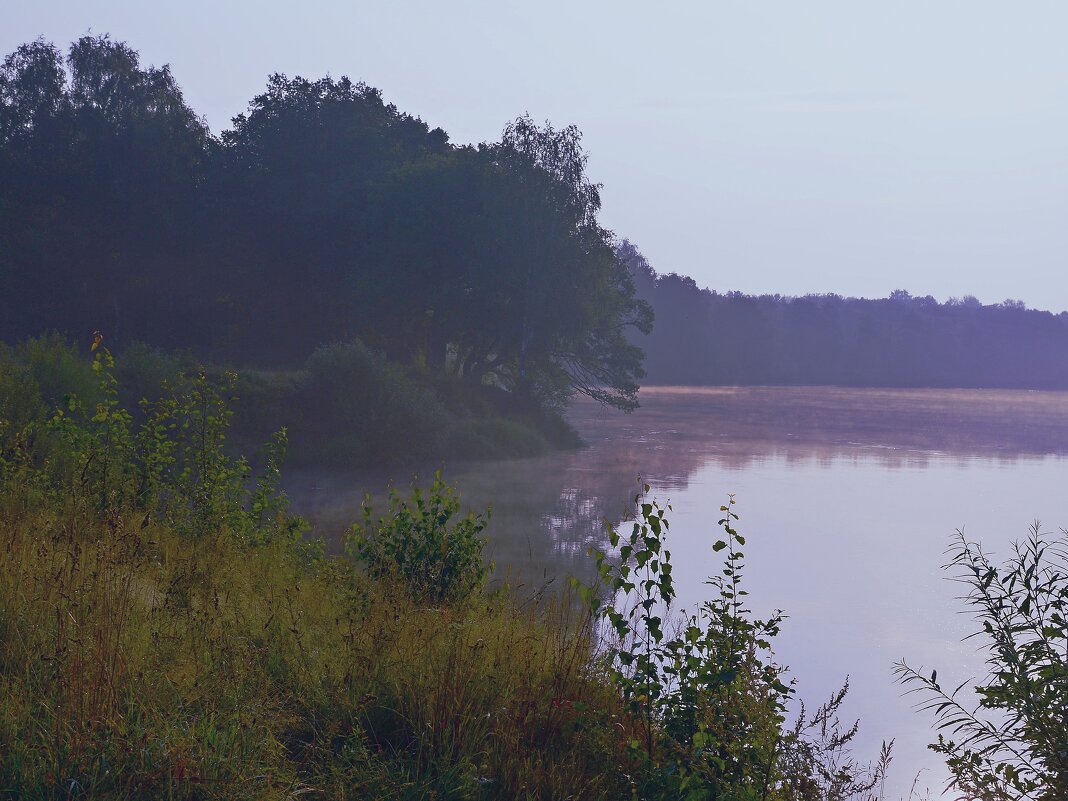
<point>848,500</point>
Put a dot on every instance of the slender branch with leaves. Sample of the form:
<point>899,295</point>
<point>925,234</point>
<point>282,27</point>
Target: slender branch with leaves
<point>1007,739</point>
<point>707,700</point>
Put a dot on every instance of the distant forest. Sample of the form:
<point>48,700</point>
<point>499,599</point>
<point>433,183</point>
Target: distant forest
<point>704,337</point>
<point>326,215</point>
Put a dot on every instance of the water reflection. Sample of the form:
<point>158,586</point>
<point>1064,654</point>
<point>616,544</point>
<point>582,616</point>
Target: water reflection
<point>547,512</point>
<point>848,499</point>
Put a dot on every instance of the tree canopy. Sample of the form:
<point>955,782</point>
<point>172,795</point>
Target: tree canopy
<point>324,213</point>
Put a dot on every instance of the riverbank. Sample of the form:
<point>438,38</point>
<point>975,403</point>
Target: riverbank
<point>878,480</point>
<point>167,630</point>
<point>141,663</point>
<point>347,406</point>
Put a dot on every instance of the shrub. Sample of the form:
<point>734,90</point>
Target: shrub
<point>174,467</point>
<point>495,437</point>
<point>708,700</point>
<point>56,367</point>
<point>144,371</point>
<point>424,543</point>
<point>35,376</point>
<point>356,404</point>
<point>1014,743</point>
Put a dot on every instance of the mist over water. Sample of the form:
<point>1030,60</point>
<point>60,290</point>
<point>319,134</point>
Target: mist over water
<point>382,263</point>
<point>848,500</point>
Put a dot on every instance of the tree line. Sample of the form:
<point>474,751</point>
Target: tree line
<point>322,214</point>
<point>326,214</point>
<point>705,337</point>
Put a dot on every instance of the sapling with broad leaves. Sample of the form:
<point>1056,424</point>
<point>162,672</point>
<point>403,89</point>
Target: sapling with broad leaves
<point>703,690</point>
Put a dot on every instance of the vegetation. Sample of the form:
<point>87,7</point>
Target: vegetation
<point>1007,738</point>
<point>167,631</point>
<point>435,553</point>
<point>346,405</point>
<point>706,699</point>
<point>707,337</point>
<point>323,215</point>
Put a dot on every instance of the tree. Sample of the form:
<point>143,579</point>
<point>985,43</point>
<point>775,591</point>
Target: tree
<point>323,214</point>
<point>308,204</point>
<point>101,160</point>
<point>569,299</point>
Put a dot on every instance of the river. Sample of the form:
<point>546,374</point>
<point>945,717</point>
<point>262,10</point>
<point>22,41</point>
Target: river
<point>848,499</point>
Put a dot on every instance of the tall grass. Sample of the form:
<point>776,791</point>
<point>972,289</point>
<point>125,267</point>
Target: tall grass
<point>164,632</point>
<point>139,663</point>
<point>167,632</point>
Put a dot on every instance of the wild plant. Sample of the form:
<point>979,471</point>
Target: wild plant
<point>268,515</point>
<point>424,543</point>
<point>1012,742</point>
<point>188,477</point>
<point>99,439</point>
<point>174,469</point>
<point>708,696</point>
<point>815,759</point>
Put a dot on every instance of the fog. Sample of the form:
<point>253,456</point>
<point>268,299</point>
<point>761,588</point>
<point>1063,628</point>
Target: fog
<point>848,500</point>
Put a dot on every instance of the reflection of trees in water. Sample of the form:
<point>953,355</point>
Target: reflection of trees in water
<point>802,422</point>
<point>548,512</point>
<point>574,523</point>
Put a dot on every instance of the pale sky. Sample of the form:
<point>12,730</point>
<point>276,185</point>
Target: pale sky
<point>792,147</point>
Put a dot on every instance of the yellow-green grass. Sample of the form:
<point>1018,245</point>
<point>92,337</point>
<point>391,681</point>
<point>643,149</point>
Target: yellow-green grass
<point>137,663</point>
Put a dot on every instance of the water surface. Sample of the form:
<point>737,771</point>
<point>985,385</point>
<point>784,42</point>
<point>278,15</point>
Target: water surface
<point>849,499</point>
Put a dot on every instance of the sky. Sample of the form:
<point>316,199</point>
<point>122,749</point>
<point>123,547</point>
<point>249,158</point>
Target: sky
<point>768,147</point>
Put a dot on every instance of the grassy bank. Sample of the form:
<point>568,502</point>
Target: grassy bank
<point>141,664</point>
<point>166,631</point>
<point>346,406</point>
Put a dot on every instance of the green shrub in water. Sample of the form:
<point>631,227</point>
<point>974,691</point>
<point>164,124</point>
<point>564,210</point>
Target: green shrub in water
<point>424,543</point>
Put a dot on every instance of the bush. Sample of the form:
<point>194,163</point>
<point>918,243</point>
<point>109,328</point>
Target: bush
<point>35,376</point>
<point>355,404</point>
<point>1014,744</point>
<point>495,438</point>
<point>424,543</point>
<point>348,406</point>
<point>707,698</point>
